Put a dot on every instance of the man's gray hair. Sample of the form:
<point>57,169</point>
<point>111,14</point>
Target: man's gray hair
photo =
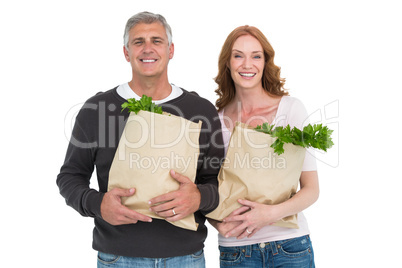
<point>148,18</point>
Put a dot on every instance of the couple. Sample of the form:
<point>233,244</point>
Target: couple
<point>250,90</point>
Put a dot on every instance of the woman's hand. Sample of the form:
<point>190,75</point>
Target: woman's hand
<point>226,227</point>
<point>261,215</point>
<point>257,216</point>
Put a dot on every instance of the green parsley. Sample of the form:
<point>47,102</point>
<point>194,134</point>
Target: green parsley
<point>144,104</point>
<point>315,136</point>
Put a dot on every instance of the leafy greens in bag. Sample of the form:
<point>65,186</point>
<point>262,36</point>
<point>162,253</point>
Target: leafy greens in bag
<point>144,104</point>
<point>315,136</point>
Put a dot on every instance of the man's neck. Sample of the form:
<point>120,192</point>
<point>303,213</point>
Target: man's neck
<point>158,89</point>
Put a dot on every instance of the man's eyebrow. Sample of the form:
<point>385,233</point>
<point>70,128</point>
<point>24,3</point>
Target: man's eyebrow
<point>157,38</point>
<point>138,39</point>
<point>152,38</point>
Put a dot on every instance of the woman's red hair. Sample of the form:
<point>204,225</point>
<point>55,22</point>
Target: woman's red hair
<point>271,80</point>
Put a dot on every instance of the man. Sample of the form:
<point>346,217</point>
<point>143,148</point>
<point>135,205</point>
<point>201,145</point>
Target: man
<point>122,236</point>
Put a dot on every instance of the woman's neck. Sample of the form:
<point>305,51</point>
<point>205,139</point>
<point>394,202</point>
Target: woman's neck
<point>248,100</point>
<point>252,107</point>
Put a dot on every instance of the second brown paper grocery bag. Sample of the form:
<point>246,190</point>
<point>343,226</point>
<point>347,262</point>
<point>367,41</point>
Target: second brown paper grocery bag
<point>254,172</point>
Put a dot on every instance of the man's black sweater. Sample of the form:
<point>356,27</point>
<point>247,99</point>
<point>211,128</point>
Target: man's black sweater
<point>94,141</point>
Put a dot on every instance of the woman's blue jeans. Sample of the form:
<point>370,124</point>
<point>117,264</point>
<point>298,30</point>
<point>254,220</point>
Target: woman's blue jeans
<point>289,253</point>
<point>195,260</point>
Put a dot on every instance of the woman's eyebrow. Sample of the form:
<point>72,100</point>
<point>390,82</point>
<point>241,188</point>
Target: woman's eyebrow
<point>239,51</point>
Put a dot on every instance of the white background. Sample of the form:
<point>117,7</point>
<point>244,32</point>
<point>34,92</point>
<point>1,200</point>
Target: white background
<point>341,58</point>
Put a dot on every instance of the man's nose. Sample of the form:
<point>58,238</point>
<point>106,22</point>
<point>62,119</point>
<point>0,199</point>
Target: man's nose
<point>147,46</point>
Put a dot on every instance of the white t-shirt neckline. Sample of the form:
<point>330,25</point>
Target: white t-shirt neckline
<point>126,92</point>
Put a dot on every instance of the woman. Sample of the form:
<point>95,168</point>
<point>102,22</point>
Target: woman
<point>251,91</point>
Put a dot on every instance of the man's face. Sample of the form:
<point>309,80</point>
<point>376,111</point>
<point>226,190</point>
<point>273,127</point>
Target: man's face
<point>148,50</point>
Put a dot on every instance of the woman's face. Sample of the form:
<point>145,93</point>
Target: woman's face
<point>247,62</point>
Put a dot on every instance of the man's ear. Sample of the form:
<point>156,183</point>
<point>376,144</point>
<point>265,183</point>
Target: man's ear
<point>171,51</point>
<point>125,51</point>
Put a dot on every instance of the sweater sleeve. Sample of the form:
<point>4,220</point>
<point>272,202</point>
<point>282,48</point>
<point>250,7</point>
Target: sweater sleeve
<point>212,155</point>
<point>74,177</point>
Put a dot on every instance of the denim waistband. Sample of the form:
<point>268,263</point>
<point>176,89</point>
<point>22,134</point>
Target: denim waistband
<point>274,246</point>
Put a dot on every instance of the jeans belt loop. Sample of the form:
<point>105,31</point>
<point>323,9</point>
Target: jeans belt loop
<point>274,247</point>
<point>248,251</point>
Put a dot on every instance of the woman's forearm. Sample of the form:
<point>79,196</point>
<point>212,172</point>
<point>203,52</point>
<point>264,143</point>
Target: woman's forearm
<point>305,197</point>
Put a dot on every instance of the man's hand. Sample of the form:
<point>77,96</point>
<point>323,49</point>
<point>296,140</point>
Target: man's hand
<point>178,204</point>
<point>115,213</point>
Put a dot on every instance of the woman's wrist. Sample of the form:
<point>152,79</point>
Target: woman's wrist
<point>276,212</point>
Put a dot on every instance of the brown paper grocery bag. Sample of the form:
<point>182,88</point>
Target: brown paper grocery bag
<point>254,172</point>
<point>150,146</point>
